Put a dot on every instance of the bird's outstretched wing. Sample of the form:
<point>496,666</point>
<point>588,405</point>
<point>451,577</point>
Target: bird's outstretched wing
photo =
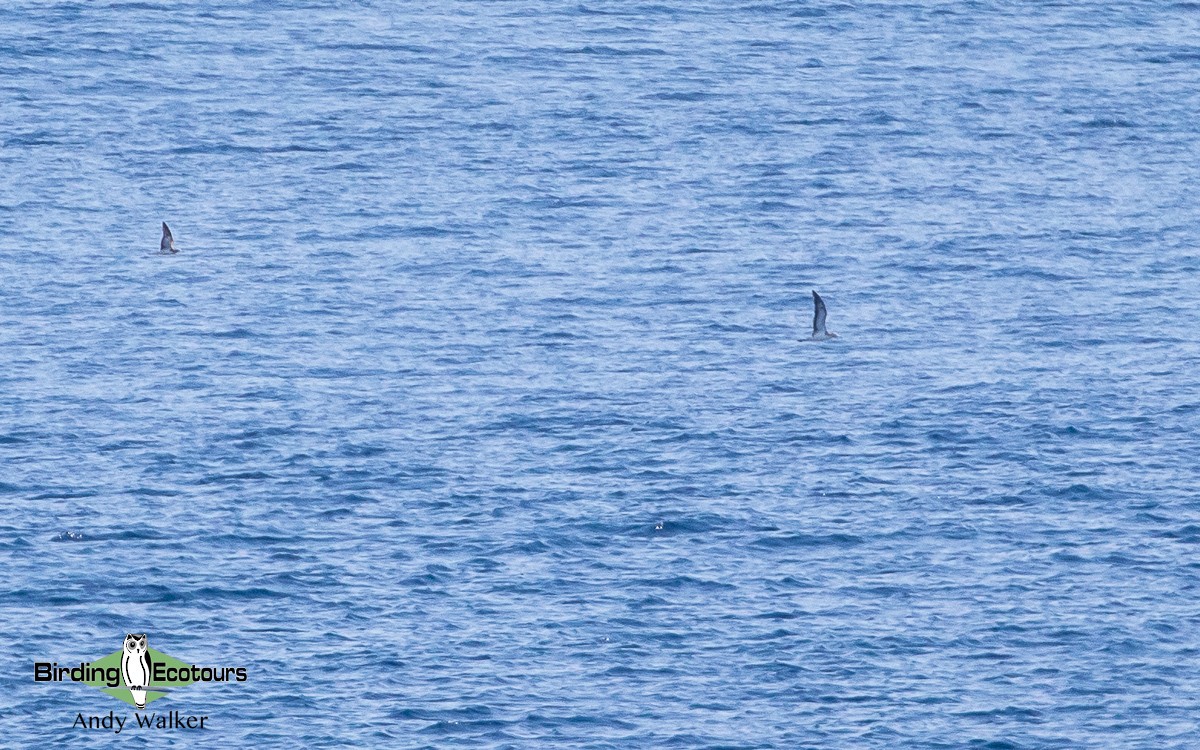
<point>818,314</point>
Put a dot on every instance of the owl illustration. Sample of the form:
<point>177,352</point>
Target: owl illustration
<point>135,667</point>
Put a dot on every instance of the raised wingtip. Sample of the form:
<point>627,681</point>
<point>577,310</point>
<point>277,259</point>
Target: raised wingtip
<point>818,327</point>
<point>167,244</point>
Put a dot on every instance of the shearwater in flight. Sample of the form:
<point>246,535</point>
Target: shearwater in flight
<point>819,331</point>
<point>168,241</point>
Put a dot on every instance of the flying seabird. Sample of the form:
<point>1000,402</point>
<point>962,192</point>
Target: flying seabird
<point>819,331</point>
<point>168,241</point>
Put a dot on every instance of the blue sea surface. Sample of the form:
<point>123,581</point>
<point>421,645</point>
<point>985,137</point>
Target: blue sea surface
<point>477,410</point>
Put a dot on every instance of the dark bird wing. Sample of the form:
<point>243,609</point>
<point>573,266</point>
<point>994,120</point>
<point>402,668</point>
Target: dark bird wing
<point>818,314</point>
<point>168,240</point>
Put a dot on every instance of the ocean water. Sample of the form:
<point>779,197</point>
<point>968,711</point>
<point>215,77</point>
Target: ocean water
<point>476,411</point>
